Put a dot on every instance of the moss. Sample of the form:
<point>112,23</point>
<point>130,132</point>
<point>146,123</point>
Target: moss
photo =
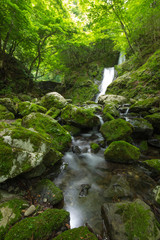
<point>25,108</point>
<point>39,227</point>
<point>47,189</point>
<point>143,146</point>
<point>138,221</point>
<point>76,234</point>
<point>154,163</point>
<point>53,112</point>
<point>145,104</point>
<point>5,114</point>
<point>53,99</point>
<point>79,116</point>
<point>154,119</point>
<point>110,111</point>
<point>72,129</point>
<point>11,212</point>
<point>121,151</point>
<point>49,129</point>
<point>117,129</point>
<point>95,147</point>
<point>52,157</point>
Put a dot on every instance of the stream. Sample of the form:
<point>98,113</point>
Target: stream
<point>88,180</point>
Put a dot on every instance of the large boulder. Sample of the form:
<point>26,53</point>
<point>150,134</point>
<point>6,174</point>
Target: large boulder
<point>49,128</point>
<point>144,105</point>
<point>76,234</point>
<point>5,114</point>
<point>25,108</point>
<point>10,213</point>
<point>154,119</point>
<point>111,109</point>
<point>53,99</point>
<point>21,150</point>
<point>130,220</point>
<point>39,227</point>
<point>116,99</point>
<point>48,192</point>
<point>117,129</point>
<point>79,116</point>
<point>122,152</point>
<point>142,129</point>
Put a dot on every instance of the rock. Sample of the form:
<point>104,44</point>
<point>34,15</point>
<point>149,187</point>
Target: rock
<point>10,213</point>
<point>79,116</point>
<point>94,147</point>
<point>72,129</point>
<point>155,141</point>
<point>46,189</point>
<point>76,149</point>
<point>25,108</point>
<point>154,119</point>
<point>122,152</point>
<point>39,227</point>
<point>21,150</point>
<point>156,191</point>
<point>53,112</point>
<point>53,99</point>
<point>118,188</point>
<point>144,105</point>
<point>84,190</point>
<point>30,211</point>
<point>111,109</point>
<point>142,129</point>
<point>5,114</point>
<point>153,163</point>
<point>116,99</point>
<point>117,129</point>
<point>9,104</point>
<point>143,146</point>
<point>130,220</point>
<point>76,233</point>
<point>6,196</point>
<point>49,128</point>
<point>35,172</point>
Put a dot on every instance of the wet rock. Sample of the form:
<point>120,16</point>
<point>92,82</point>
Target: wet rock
<point>74,131</point>
<point>76,233</point>
<point>39,227</point>
<point>84,190</point>
<point>122,152</point>
<point>76,149</point>
<point>30,211</point>
<point>118,188</point>
<point>46,189</point>
<point>130,220</point>
<point>95,147</point>
<point>115,130</point>
<point>155,141</point>
<point>142,129</point>
<point>154,119</point>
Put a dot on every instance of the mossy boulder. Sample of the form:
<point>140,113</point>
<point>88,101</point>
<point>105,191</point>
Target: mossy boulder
<point>9,104</point>
<point>145,105</point>
<point>49,128</point>
<point>143,146</point>
<point>142,129</point>
<point>40,227</point>
<point>10,213</point>
<point>111,109</point>
<point>46,189</point>
<point>25,108</point>
<point>72,129</point>
<point>53,99</point>
<point>153,163</point>
<point>114,99</point>
<point>154,119</point>
<point>76,234</point>
<point>21,150</point>
<point>79,116</point>
<point>94,147</point>
<point>5,114</point>
<point>130,220</point>
<point>122,152</point>
<point>117,129</point>
<point>53,112</point>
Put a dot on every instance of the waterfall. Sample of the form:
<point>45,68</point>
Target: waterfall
<point>108,76</point>
<point>122,58</point>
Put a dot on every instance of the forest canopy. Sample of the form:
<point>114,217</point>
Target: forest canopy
<point>56,35</point>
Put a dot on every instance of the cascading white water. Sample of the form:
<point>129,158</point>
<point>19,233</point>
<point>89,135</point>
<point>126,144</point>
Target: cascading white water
<point>122,58</point>
<point>108,76</point>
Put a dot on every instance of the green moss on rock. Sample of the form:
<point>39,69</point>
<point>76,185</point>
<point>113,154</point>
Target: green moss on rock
<point>10,213</point>
<point>117,129</point>
<point>53,99</point>
<point>153,163</point>
<point>145,105</point>
<point>49,129</point>
<point>95,147</point>
<point>122,152</point>
<point>76,234</point>
<point>154,119</point>
<point>39,227</point>
<point>25,108</point>
<point>5,114</point>
<point>72,129</point>
<point>53,112</point>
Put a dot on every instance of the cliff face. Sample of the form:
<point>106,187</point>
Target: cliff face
<point>138,83</point>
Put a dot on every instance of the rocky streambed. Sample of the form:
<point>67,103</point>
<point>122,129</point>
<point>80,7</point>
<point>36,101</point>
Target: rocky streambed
<point>64,166</point>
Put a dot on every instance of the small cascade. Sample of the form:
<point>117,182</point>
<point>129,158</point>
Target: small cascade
<point>108,77</point>
<point>124,109</point>
<point>122,58</point>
